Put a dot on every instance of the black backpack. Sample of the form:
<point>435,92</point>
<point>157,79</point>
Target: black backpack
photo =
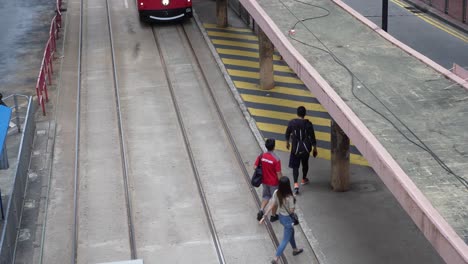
<point>303,143</point>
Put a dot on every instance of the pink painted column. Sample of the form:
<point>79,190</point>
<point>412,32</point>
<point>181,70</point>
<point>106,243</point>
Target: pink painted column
<point>339,159</point>
<point>266,61</point>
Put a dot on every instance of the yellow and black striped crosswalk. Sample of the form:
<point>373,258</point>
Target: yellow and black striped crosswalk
<point>272,109</point>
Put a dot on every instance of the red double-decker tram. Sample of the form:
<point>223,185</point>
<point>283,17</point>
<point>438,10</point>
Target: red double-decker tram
<point>164,10</point>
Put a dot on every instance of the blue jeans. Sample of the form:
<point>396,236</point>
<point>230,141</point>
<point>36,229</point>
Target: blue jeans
<point>288,236</point>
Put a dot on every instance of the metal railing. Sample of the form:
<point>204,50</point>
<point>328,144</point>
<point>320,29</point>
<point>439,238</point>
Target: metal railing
<point>16,198</point>
<point>16,116</point>
<point>45,72</point>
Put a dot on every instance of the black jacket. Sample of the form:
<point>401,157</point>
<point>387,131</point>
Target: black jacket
<point>301,124</point>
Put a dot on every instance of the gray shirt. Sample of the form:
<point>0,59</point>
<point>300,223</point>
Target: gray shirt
<point>288,203</point>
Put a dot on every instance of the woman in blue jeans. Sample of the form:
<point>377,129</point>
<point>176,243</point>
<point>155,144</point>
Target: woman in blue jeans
<point>284,201</point>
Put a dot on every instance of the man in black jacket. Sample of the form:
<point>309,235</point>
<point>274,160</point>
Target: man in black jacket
<point>301,132</point>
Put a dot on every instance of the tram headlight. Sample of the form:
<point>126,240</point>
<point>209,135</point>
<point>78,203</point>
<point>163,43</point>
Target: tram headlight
<point>165,2</point>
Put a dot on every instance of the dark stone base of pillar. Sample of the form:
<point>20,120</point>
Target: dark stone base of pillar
<point>339,159</point>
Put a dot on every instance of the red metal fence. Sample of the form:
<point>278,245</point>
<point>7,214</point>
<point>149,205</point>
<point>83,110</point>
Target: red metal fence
<point>45,73</point>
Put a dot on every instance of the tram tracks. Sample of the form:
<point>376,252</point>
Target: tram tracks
<point>189,149</point>
<point>121,139</point>
<point>183,34</point>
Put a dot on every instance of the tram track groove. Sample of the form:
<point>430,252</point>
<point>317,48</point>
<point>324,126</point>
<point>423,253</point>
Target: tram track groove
<point>271,233</point>
<point>188,148</point>
<point>122,145</point>
<point>232,144</point>
<point>204,81</point>
<point>77,141</point>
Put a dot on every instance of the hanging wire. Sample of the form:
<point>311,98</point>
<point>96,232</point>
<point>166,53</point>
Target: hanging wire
<point>325,49</point>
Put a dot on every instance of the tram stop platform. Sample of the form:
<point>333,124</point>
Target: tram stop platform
<point>400,99</point>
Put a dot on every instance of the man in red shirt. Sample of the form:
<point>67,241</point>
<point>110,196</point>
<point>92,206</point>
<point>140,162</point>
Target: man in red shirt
<point>271,169</point>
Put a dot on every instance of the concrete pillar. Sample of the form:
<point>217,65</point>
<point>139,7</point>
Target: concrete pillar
<point>339,159</point>
<point>222,12</point>
<point>266,61</point>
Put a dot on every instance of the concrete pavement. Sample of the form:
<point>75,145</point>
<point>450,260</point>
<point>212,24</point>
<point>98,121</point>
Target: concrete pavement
<point>399,90</point>
<point>372,200</point>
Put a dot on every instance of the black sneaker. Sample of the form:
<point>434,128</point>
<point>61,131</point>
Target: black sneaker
<point>274,218</point>
<point>296,191</point>
<point>297,252</point>
<point>259,215</point>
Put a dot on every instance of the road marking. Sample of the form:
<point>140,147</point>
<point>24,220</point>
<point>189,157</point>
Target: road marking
<point>317,121</point>
<point>280,129</point>
<point>324,153</point>
<point>214,26</point>
<point>126,3</point>
<point>231,35</point>
<point>276,89</point>
<point>235,43</point>
<point>282,102</point>
<point>254,64</point>
<point>256,75</point>
<point>433,22</point>
<point>272,109</point>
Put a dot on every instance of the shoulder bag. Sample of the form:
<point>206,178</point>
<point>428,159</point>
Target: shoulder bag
<point>293,216</point>
<point>257,176</point>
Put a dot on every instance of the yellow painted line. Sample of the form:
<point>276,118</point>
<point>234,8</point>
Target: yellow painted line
<point>243,53</point>
<point>279,129</point>
<point>243,63</point>
<point>277,89</point>
<point>444,28</point>
<point>433,22</point>
<point>256,75</point>
<point>319,121</point>
<point>231,35</point>
<point>357,159</point>
<point>281,102</point>
<point>325,154</point>
<point>254,64</point>
<point>214,26</point>
<point>281,68</point>
<point>235,43</point>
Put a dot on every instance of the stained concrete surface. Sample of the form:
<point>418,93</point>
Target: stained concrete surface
<point>413,96</point>
<point>363,225</point>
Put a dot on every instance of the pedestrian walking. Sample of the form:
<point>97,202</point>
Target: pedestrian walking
<point>301,132</point>
<point>271,170</point>
<point>284,201</point>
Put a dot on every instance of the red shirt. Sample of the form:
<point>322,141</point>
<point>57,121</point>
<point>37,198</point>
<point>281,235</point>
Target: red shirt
<point>271,164</point>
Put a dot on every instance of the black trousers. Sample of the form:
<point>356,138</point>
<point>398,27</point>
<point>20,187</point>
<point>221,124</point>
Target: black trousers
<point>295,162</point>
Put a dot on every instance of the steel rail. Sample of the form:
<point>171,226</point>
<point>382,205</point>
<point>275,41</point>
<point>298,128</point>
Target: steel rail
<point>77,140</point>
<point>122,141</point>
<point>188,148</point>
<point>228,133</point>
<point>123,146</point>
